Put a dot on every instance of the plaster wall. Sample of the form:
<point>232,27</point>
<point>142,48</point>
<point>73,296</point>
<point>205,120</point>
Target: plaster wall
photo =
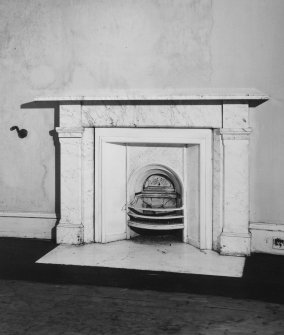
<point>76,47</point>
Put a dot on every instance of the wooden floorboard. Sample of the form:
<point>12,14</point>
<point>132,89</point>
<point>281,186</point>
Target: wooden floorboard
<point>65,300</point>
<point>41,308</point>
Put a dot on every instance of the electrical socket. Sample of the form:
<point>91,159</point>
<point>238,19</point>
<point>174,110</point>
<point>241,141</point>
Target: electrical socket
<point>277,243</point>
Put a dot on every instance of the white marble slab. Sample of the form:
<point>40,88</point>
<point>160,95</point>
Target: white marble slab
<point>156,115</point>
<point>129,254</point>
<point>165,95</point>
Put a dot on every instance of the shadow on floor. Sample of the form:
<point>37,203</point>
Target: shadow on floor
<point>263,277</point>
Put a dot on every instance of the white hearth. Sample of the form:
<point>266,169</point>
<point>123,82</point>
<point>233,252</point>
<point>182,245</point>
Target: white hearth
<point>183,157</point>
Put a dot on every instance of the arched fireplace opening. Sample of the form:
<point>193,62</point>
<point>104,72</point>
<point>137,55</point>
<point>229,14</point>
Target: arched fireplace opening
<point>156,202</point>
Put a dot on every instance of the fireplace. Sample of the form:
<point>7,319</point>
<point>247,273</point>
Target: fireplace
<point>156,204</point>
<point>179,159</point>
<point>155,164</point>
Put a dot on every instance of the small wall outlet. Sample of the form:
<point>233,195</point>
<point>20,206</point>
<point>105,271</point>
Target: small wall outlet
<point>277,243</point>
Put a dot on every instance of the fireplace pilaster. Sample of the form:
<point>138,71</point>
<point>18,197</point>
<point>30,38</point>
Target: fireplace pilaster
<point>235,237</point>
<point>70,228</point>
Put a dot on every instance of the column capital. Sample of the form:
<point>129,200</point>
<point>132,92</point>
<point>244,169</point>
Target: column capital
<point>235,133</point>
<point>69,131</point>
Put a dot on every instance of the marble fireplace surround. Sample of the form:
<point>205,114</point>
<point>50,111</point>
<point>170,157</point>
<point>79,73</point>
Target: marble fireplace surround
<point>218,123</point>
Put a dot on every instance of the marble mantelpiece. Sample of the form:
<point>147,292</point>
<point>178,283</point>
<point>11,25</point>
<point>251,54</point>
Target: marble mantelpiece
<point>225,113</point>
<point>165,95</point>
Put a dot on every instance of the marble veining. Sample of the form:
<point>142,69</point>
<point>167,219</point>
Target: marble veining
<point>152,115</point>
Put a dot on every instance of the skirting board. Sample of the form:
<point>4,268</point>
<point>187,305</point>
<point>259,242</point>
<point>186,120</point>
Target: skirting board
<point>262,236</point>
<point>27,225</point>
<point>40,225</point>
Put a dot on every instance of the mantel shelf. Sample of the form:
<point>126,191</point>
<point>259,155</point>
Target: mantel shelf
<point>165,95</point>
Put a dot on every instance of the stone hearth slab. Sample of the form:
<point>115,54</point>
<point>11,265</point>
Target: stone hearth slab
<point>128,254</point>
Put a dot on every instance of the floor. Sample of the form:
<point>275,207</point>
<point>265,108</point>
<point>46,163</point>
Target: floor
<point>68,300</point>
<point>159,253</point>
<point>45,309</point>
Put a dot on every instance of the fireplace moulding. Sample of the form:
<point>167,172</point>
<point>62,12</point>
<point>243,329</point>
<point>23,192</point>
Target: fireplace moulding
<point>95,133</point>
<point>195,146</point>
